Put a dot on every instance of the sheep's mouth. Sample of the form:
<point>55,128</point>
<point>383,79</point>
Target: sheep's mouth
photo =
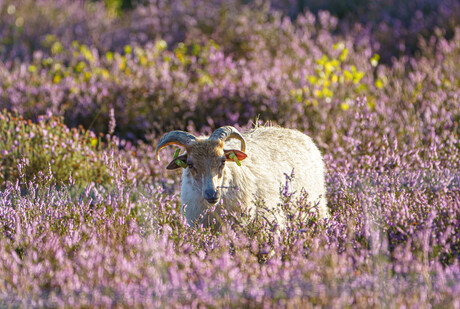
<point>212,201</point>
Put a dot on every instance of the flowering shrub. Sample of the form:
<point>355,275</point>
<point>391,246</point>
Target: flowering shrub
<point>49,150</point>
<point>91,220</point>
<point>395,27</point>
<point>392,238</point>
<point>203,81</point>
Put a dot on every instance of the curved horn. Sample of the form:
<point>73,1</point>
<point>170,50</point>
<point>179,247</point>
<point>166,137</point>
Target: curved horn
<point>180,138</point>
<point>224,133</point>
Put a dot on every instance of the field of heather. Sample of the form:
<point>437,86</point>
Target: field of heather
<point>90,219</point>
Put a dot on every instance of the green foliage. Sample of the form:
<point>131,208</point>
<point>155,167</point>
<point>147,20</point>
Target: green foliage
<point>117,7</point>
<point>32,150</point>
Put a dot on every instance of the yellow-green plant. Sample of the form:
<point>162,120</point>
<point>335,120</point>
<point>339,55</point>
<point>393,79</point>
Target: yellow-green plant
<point>333,77</point>
<point>29,150</point>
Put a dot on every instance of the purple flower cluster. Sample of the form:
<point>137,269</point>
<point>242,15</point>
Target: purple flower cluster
<point>393,239</point>
<point>92,220</point>
<point>254,62</point>
<point>394,26</point>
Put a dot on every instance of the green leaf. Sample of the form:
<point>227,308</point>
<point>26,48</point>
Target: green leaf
<point>176,154</point>
<point>235,158</point>
<point>181,163</point>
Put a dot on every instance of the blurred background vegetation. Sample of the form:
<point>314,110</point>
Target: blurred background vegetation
<point>164,64</point>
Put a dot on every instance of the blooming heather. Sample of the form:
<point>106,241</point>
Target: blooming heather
<point>88,218</point>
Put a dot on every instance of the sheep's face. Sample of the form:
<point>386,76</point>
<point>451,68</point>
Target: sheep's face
<point>206,161</point>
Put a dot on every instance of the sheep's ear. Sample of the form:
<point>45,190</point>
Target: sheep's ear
<point>239,154</point>
<point>173,165</point>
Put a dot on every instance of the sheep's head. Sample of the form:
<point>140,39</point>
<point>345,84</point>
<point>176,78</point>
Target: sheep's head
<point>205,158</point>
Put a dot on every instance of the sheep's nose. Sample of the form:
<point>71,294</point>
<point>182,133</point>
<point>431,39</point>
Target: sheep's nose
<point>210,195</point>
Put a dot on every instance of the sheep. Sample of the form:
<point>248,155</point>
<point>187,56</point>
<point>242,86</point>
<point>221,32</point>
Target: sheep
<point>212,177</point>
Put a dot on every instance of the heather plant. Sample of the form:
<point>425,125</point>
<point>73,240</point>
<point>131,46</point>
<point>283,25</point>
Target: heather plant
<point>394,26</point>
<point>32,150</point>
<point>25,23</point>
<point>107,249</point>
<point>197,83</point>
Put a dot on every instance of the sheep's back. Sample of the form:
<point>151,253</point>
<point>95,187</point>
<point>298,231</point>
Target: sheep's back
<point>273,153</point>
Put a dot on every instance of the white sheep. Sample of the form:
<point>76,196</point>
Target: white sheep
<point>212,177</point>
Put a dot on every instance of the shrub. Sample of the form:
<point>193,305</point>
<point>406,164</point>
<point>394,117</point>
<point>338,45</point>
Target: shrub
<point>33,150</point>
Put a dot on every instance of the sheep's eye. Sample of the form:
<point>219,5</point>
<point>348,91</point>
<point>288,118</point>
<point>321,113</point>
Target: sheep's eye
<point>190,165</point>
<point>223,162</point>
